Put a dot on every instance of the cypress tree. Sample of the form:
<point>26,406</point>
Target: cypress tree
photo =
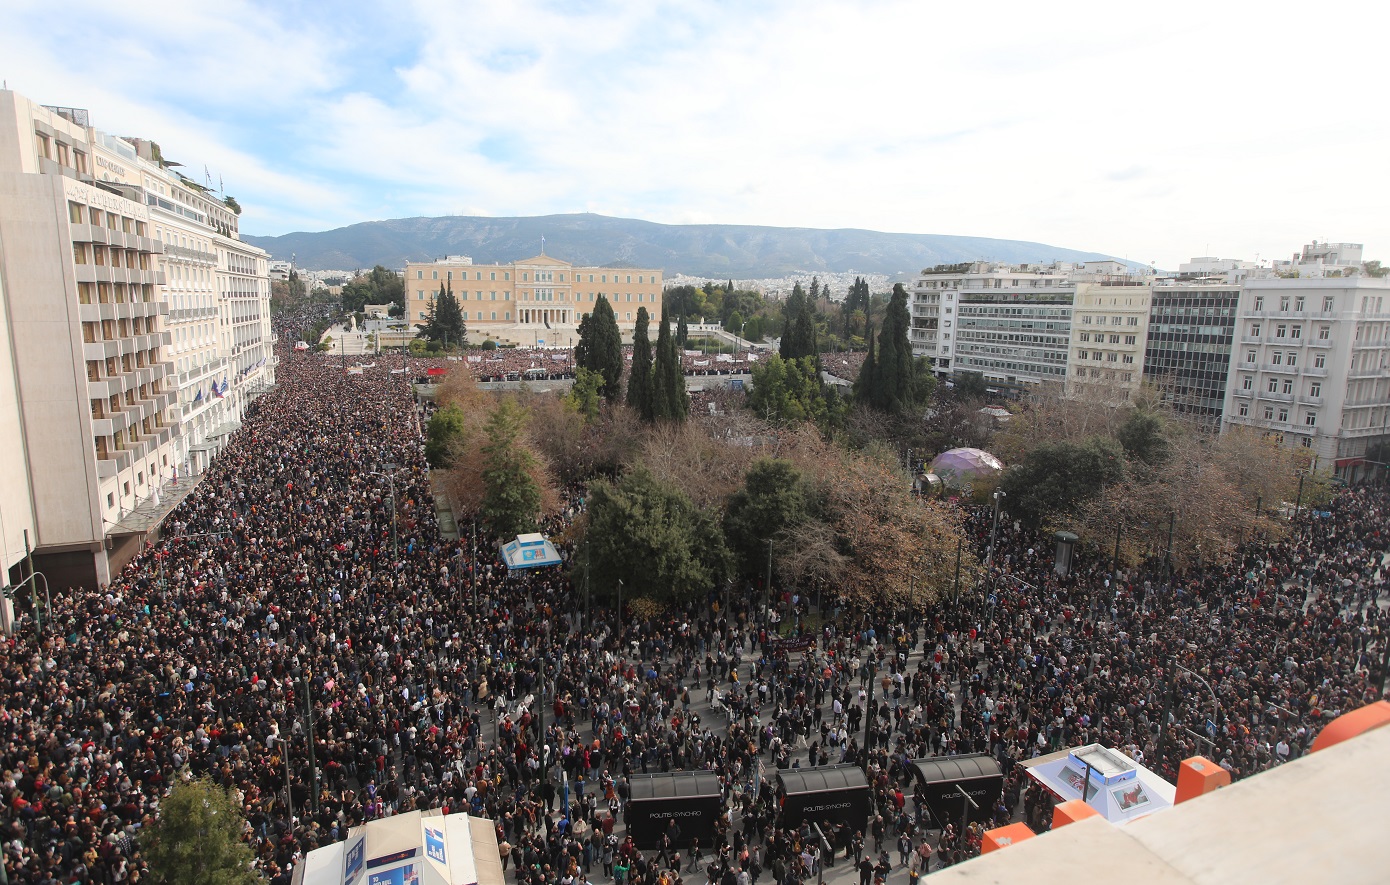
<point>682,331</point>
<point>864,384</point>
<point>669,399</point>
<point>600,347</point>
<point>639,382</point>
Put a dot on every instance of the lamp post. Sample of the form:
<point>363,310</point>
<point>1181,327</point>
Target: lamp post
<point>994,529</point>
<point>1298,505</point>
<point>395,541</point>
<point>960,544</point>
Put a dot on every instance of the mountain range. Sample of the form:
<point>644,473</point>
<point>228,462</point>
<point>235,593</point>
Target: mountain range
<point>711,250</point>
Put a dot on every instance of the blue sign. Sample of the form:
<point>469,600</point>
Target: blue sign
<point>356,852</point>
<point>406,875</point>
<point>434,845</point>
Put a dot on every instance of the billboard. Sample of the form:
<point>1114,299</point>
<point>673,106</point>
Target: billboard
<point>404,875</point>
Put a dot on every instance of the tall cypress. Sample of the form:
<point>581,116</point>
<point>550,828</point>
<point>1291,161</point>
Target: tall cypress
<point>669,399</point>
<point>600,347</point>
<point>864,385</point>
<point>639,382</point>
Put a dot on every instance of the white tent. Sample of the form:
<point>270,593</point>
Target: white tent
<point>530,551</point>
<point>1119,788</point>
<point>416,848</point>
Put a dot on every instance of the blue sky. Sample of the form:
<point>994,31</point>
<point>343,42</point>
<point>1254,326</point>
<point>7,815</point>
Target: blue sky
<point>1154,133</point>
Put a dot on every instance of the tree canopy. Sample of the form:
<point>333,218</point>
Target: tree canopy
<point>600,347</point>
<point>380,286</point>
<point>670,401</point>
<point>653,538</point>
<point>887,380</point>
<point>788,391</point>
<point>512,496</point>
<point>444,428</point>
<point>799,327</point>
<point>198,838</point>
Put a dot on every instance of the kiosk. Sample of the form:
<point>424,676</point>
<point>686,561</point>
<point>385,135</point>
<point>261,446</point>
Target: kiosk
<point>693,799</point>
<point>942,779</point>
<point>832,793</point>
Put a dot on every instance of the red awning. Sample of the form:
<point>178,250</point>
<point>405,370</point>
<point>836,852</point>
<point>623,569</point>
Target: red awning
<point>1350,462</point>
<point>435,372</point>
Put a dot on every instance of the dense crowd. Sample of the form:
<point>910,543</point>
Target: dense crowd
<point>299,591</point>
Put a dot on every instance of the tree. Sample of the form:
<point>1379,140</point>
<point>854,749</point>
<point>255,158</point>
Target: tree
<point>512,495</point>
<point>1056,477</point>
<point>856,306</point>
<point>649,535</point>
<point>600,347</point>
<point>380,286</point>
<point>772,501</point>
<point>445,321</point>
<point>446,426</point>
<point>639,381</point>
<point>1142,436</point>
<point>231,203</point>
<point>198,838</point>
<point>669,398</point>
<point>584,395</point>
<point>682,332</point>
<point>890,385</point>
<point>799,327</point>
<point>787,391</point>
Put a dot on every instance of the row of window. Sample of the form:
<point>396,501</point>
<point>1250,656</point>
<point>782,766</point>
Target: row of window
<point>1290,359</point>
<point>1114,339</point>
<point>1109,356</point>
<point>1087,319</point>
<point>1310,418</point>
<point>1282,330</point>
<point>1296,303</point>
<point>540,276</point>
<point>1275,385</point>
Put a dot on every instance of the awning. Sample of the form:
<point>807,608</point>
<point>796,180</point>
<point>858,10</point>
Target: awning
<point>530,551</point>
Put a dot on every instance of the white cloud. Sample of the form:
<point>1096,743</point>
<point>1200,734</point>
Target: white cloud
<point>1153,133</point>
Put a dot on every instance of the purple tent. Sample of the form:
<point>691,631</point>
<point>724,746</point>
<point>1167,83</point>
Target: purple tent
<point>956,467</point>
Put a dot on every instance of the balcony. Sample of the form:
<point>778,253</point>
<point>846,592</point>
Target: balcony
<point>1242,392</point>
<point>1277,397</point>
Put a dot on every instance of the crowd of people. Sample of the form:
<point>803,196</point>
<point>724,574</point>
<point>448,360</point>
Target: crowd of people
<point>303,594</point>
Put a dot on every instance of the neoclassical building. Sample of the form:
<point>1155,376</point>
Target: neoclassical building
<point>540,292</point>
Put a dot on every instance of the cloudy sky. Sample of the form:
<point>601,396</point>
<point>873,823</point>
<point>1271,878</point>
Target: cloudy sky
<point>1154,132</point>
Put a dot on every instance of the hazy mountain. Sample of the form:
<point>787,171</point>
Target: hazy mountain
<point>713,250</point>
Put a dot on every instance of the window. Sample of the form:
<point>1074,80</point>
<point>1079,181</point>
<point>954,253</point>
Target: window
<point>1083,354</point>
<point>1269,413</point>
<point>419,274</point>
<point>434,274</point>
<point>1255,330</point>
<point>1324,333</point>
<point>1319,361</point>
<point>1111,357</point>
<point>1247,382</point>
<point>1132,321</point>
<point>1114,339</point>
<point>1293,358</point>
<point>1274,385</point>
<point>1306,442</point>
<point>1129,359</point>
<point>1244,410</point>
<point>1250,356</point>
<point>1085,336</point>
<point>1086,321</point>
<point>1283,416</point>
<point>1298,303</point>
<point>1277,358</point>
<point>1281,331</point>
<point>1288,385</point>
<point>1329,303</point>
<point>1284,302</point>
<point>1315,389</point>
<point>1259,302</point>
<point>492,275</point>
<point>1296,332</point>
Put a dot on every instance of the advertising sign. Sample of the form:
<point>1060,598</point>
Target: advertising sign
<point>356,853</point>
<point>434,845</point>
<point>406,875</point>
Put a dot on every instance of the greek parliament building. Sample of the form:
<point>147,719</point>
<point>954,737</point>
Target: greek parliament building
<point>135,330</point>
<point>525,299</point>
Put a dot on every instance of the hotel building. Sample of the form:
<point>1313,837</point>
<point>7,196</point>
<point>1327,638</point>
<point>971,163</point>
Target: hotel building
<point>93,421</point>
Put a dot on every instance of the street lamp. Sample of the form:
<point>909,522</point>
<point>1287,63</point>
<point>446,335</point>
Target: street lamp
<point>994,529</point>
<point>391,479</point>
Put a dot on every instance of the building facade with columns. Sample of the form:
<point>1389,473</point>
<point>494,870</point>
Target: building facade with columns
<point>532,296</point>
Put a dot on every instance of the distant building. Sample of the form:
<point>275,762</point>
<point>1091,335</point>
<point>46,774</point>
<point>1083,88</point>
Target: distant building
<point>1188,352</point>
<point>532,296</point>
<point>1319,260</point>
<point>1313,367</point>
<point>1109,331</point>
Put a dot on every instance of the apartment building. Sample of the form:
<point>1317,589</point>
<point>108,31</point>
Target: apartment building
<point>531,296</point>
<point>1313,367</point>
<point>96,244</point>
<point>1011,324</point>
<point>1108,335</point>
<point>218,292</point>
<point>1188,351</point>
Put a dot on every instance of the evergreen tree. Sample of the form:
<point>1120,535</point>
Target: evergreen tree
<point>639,382</point>
<point>198,838</point>
<point>682,332</point>
<point>445,322</point>
<point>856,299</point>
<point>864,384</point>
<point>815,290</point>
<point>600,347</point>
<point>511,497</point>
<point>799,327</point>
<point>669,399</point>
<point>889,373</point>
